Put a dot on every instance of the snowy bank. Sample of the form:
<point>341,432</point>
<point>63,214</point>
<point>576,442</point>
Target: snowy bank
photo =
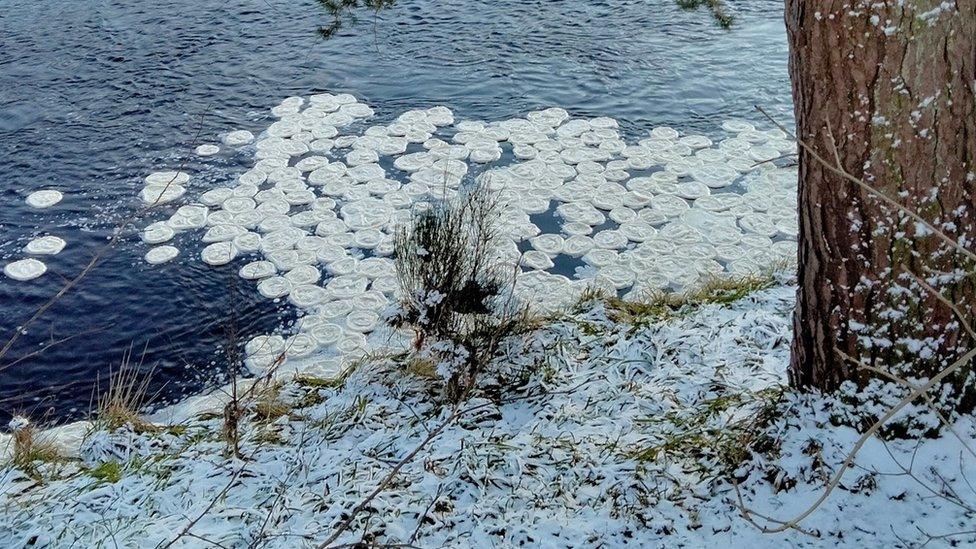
<point>597,428</point>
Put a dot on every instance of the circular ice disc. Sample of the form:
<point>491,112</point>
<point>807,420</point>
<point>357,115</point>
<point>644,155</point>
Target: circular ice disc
<point>44,199</point>
<point>216,197</point>
<point>717,202</point>
<point>692,190</point>
<point>600,257</point>
<point>306,296</point>
<point>303,274</point>
<point>352,344</point>
<point>577,245</point>
<point>326,334</point>
<point>617,276</point>
<point>715,175</point>
<point>785,249</point>
<point>343,266</point>
<point>637,230</point>
<point>257,270</point>
<point>347,286</point>
<point>610,239</point>
<point>664,132</point>
<point>758,223</point>
<point>188,217</point>
<point>387,285</point>
<point>652,216</point>
<point>162,179</point>
<point>238,138</point>
<point>367,239</point>
<point>300,345</point>
<point>335,309</point>
<point>372,300</point>
<point>729,252</point>
<point>551,244</point>
<point>275,223</point>
<point>375,267</point>
<point>670,205</point>
<point>576,228</point>
<point>622,214</point>
<point>247,242</point>
<point>535,259</point>
<point>207,150</point>
<point>742,164</point>
<point>711,156</point>
<point>161,194</point>
<point>222,233</point>
<point>737,126</point>
<point>274,287</point>
<point>484,156</point>
<point>362,320</point>
<point>219,253</point>
<point>45,245</point>
<point>695,141</point>
<point>265,345</point>
<point>157,233</point>
<point>25,269</point>
<point>161,254</point>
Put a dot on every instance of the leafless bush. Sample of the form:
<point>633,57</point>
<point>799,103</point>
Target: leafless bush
<point>455,296</point>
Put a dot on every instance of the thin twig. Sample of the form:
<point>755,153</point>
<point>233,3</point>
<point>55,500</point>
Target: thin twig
<point>849,460</point>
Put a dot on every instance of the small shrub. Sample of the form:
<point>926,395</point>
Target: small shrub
<point>454,294</point>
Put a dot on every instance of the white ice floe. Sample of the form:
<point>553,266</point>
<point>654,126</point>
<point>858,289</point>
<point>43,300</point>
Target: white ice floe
<point>320,204</point>
<point>45,245</point>
<point>207,150</point>
<point>238,138</point>
<point>44,198</point>
<point>219,253</point>
<point>162,194</point>
<point>24,269</point>
<point>274,287</point>
<point>161,254</point>
<point>157,232</point>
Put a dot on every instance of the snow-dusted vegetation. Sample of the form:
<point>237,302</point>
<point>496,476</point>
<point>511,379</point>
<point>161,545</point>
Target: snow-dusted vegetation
<point>612,423</point>
<point>553,329</point>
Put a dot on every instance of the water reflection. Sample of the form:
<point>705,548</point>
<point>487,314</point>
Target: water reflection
<point>345,11</point>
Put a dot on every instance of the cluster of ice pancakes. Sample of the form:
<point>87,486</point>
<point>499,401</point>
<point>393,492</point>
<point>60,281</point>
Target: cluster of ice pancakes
<point>31,268</point>
<point>313,220</point>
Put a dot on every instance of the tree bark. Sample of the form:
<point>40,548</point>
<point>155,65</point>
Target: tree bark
<point>891,84</point>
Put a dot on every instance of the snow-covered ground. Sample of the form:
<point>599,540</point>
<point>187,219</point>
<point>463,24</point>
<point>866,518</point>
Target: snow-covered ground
<point>589,432</point>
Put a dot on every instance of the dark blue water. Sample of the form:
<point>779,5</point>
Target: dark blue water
<point>96,94</point>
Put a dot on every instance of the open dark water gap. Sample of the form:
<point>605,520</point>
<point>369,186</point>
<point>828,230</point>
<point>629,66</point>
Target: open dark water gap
<point>94,95</point>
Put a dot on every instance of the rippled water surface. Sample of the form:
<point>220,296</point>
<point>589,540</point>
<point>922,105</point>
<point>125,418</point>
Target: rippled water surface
<point>94,95</point>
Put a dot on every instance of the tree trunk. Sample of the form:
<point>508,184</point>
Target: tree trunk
<point>891,83</point>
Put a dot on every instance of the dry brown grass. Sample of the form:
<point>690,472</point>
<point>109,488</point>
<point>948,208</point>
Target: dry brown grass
<point>126,396</point>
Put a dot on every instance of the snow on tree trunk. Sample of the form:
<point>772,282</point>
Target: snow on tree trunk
<point>894,82</point>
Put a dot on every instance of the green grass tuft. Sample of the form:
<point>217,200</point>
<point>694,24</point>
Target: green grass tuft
<point>110,471</point>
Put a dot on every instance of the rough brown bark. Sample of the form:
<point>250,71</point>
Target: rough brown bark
<point>893,83</point>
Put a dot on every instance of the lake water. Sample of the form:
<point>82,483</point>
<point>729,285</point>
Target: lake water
<point>94,95</point>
